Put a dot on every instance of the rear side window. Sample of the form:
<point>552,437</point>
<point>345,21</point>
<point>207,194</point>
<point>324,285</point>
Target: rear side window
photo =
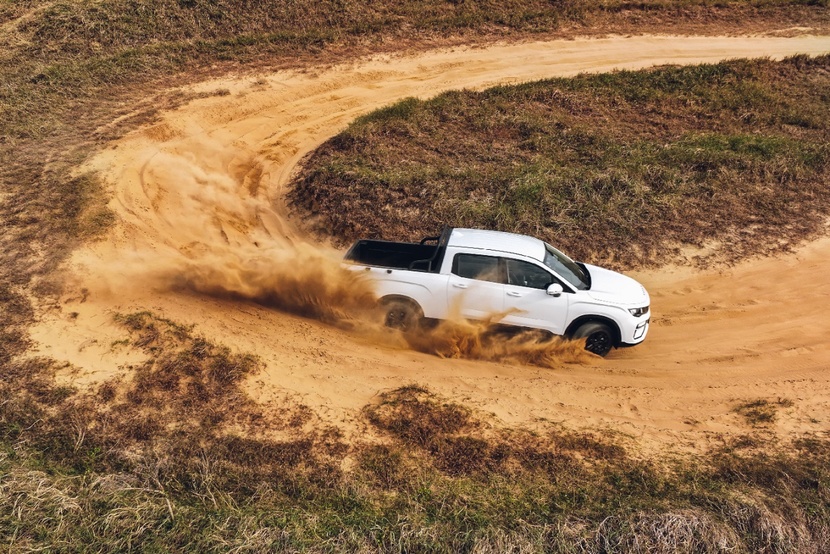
<point>473,266</point>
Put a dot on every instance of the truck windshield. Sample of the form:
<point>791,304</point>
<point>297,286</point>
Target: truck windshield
<point>566,268</point>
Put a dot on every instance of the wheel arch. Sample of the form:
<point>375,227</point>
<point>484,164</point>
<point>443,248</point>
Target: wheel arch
<point>582,320</point>
<point>384,300</point>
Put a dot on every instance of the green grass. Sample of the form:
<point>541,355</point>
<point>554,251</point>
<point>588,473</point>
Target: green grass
<point>621,168</point>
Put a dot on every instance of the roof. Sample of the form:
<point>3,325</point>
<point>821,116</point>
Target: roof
<point>498,241</point>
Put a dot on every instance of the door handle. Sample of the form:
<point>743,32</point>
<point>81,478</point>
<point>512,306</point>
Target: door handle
<point>459,285</point>
<point>513,293</point>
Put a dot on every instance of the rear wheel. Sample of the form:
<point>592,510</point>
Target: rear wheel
<point>401,315</point>
<point>598,337</point>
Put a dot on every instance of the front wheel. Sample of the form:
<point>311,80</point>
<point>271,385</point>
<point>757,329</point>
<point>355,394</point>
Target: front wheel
<point>401,315</point>
<point>598,338</point>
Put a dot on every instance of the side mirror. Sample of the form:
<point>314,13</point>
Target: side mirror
<point>555,290</point>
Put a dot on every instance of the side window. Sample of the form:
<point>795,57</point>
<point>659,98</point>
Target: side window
<point>472,266</point>
<point>525,274</point>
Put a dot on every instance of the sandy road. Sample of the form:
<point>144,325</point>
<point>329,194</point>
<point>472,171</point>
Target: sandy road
<point>203,188</point>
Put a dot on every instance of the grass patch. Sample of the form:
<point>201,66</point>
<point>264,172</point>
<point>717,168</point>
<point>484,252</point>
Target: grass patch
<point>761,411</point>
<point>441,480</point>
<point>619,168</point>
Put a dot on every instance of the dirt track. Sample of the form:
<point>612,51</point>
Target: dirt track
<point>199,194</point>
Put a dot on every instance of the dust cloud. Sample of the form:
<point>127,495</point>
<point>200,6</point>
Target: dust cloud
<point>489,341</point>
<point>297,279</point>
<point>209,226</point>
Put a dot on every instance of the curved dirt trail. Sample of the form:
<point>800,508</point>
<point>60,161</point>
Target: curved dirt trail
<point>199,201</point>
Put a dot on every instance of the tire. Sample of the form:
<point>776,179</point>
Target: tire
<point>598,337</point>
<point>402,315</point>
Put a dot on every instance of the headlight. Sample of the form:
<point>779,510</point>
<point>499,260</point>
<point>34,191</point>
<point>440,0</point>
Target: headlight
<point>637,312</point>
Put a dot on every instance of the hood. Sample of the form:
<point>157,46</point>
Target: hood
<point>616,288</point>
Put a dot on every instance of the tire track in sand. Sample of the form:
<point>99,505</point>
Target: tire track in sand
<point>206,184</point>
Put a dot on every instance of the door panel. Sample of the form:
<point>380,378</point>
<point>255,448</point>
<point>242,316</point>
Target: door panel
<point>527,302</point>
<point>476,287</point>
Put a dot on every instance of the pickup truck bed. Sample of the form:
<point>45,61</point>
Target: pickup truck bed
<point>415,256</point>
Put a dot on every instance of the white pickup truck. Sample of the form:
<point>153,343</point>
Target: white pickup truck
<point>507,279</point>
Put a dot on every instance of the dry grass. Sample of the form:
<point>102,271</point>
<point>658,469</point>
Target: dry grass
<point>123,470</point>
<point>174,457</point>
<point>619,169</point>
<point>72,69</point>
<point>761,411</point>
